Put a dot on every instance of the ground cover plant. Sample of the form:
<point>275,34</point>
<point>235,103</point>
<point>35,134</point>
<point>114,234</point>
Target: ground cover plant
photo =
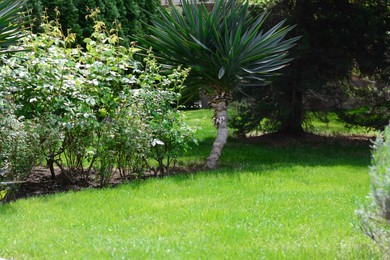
<point>267,200</point>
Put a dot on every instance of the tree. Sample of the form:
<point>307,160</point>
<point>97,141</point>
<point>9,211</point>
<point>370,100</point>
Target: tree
<point>338,37</point>
<point>11,21</point>
<point>129,16</point>
<point>226,48</point>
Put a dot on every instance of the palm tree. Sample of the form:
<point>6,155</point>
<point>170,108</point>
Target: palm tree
<point>226,48</point>
<point>11,21</point>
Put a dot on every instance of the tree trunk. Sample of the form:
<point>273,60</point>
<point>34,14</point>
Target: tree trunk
<point>50,162</point>
<point>220,105</point>
<point>292,117</point>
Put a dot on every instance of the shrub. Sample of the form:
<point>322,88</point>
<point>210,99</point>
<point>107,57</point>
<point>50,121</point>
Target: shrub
<point>244,117</point>
<point>122,142</point>
<point>375,214</point>
<point>95,109</point>
<point>249,115</point>
<point>372,102</point>
<point>159,96</point>
<point>18,153</point>
<point>45,86</point>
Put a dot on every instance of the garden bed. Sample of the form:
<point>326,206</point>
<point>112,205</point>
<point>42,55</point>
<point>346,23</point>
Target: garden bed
<point>40,183</point>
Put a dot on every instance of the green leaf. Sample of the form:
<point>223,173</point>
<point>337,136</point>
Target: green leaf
<point>221,45</point>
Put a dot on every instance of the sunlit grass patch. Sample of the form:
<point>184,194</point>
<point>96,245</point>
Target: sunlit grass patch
<point>299,212</point>
<point>273,202</point>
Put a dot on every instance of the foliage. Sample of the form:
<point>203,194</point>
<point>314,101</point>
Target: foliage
<point>171,136</point>
<point>375,215</point>
<point>11,21</point>
<point>44,84</point>
<point>85,104</point>
<point>244,118</point>
<point>18,148</point>
<point>15,138</point>
<point>130,16</point>
<point>258,6</point>
<point>373,105</point>
<point>18,152</point>
<point>338,37</point>
<point>226,49</point>
<point>222,55</point>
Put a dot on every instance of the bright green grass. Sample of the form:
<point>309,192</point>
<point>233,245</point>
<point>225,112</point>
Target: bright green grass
<point>336,127</point>
<point>264,202</point>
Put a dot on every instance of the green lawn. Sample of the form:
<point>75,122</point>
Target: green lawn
<point>270,202</point>
<point>336,127</point>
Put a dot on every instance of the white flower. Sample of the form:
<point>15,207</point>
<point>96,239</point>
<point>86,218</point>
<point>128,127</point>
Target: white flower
<point>157,142</point>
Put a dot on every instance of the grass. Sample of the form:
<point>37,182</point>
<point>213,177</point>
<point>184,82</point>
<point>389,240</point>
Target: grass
<point>334,126</point>
<point>270,202</point>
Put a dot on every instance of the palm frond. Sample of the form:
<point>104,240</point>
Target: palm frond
<point>11,21</point>
<point>225,47</point>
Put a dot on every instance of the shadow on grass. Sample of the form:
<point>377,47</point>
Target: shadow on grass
<point>268,154</point>
<point>272,150</point>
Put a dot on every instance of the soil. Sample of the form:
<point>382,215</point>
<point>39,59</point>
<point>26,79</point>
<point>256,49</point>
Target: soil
<point>40,182</point>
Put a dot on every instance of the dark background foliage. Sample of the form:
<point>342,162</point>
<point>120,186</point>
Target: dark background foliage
<point>340,38</point>
<point>132,15</point>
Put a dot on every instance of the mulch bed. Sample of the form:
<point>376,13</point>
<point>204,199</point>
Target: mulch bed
<point>40,182</point>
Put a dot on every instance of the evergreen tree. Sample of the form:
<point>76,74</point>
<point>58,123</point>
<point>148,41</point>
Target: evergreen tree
<point>36,10</point>
<point>130,14</point>
<point>338,37</point>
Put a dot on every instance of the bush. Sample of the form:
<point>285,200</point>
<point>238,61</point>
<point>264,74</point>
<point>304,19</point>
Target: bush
<point>18,153</point>
<point>372,102</point>
<point>244,116</point>
<point>95,109</point>
<point>251,115</point>
<point>375,214</point>
<point>159,97</point>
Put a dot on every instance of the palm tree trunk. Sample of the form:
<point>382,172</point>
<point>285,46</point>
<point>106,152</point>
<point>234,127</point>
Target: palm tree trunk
<point>220,105</point>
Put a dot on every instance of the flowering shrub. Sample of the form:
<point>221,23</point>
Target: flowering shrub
<point>18,152</point>
<point>94,110</point>
<point>159,96</point>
